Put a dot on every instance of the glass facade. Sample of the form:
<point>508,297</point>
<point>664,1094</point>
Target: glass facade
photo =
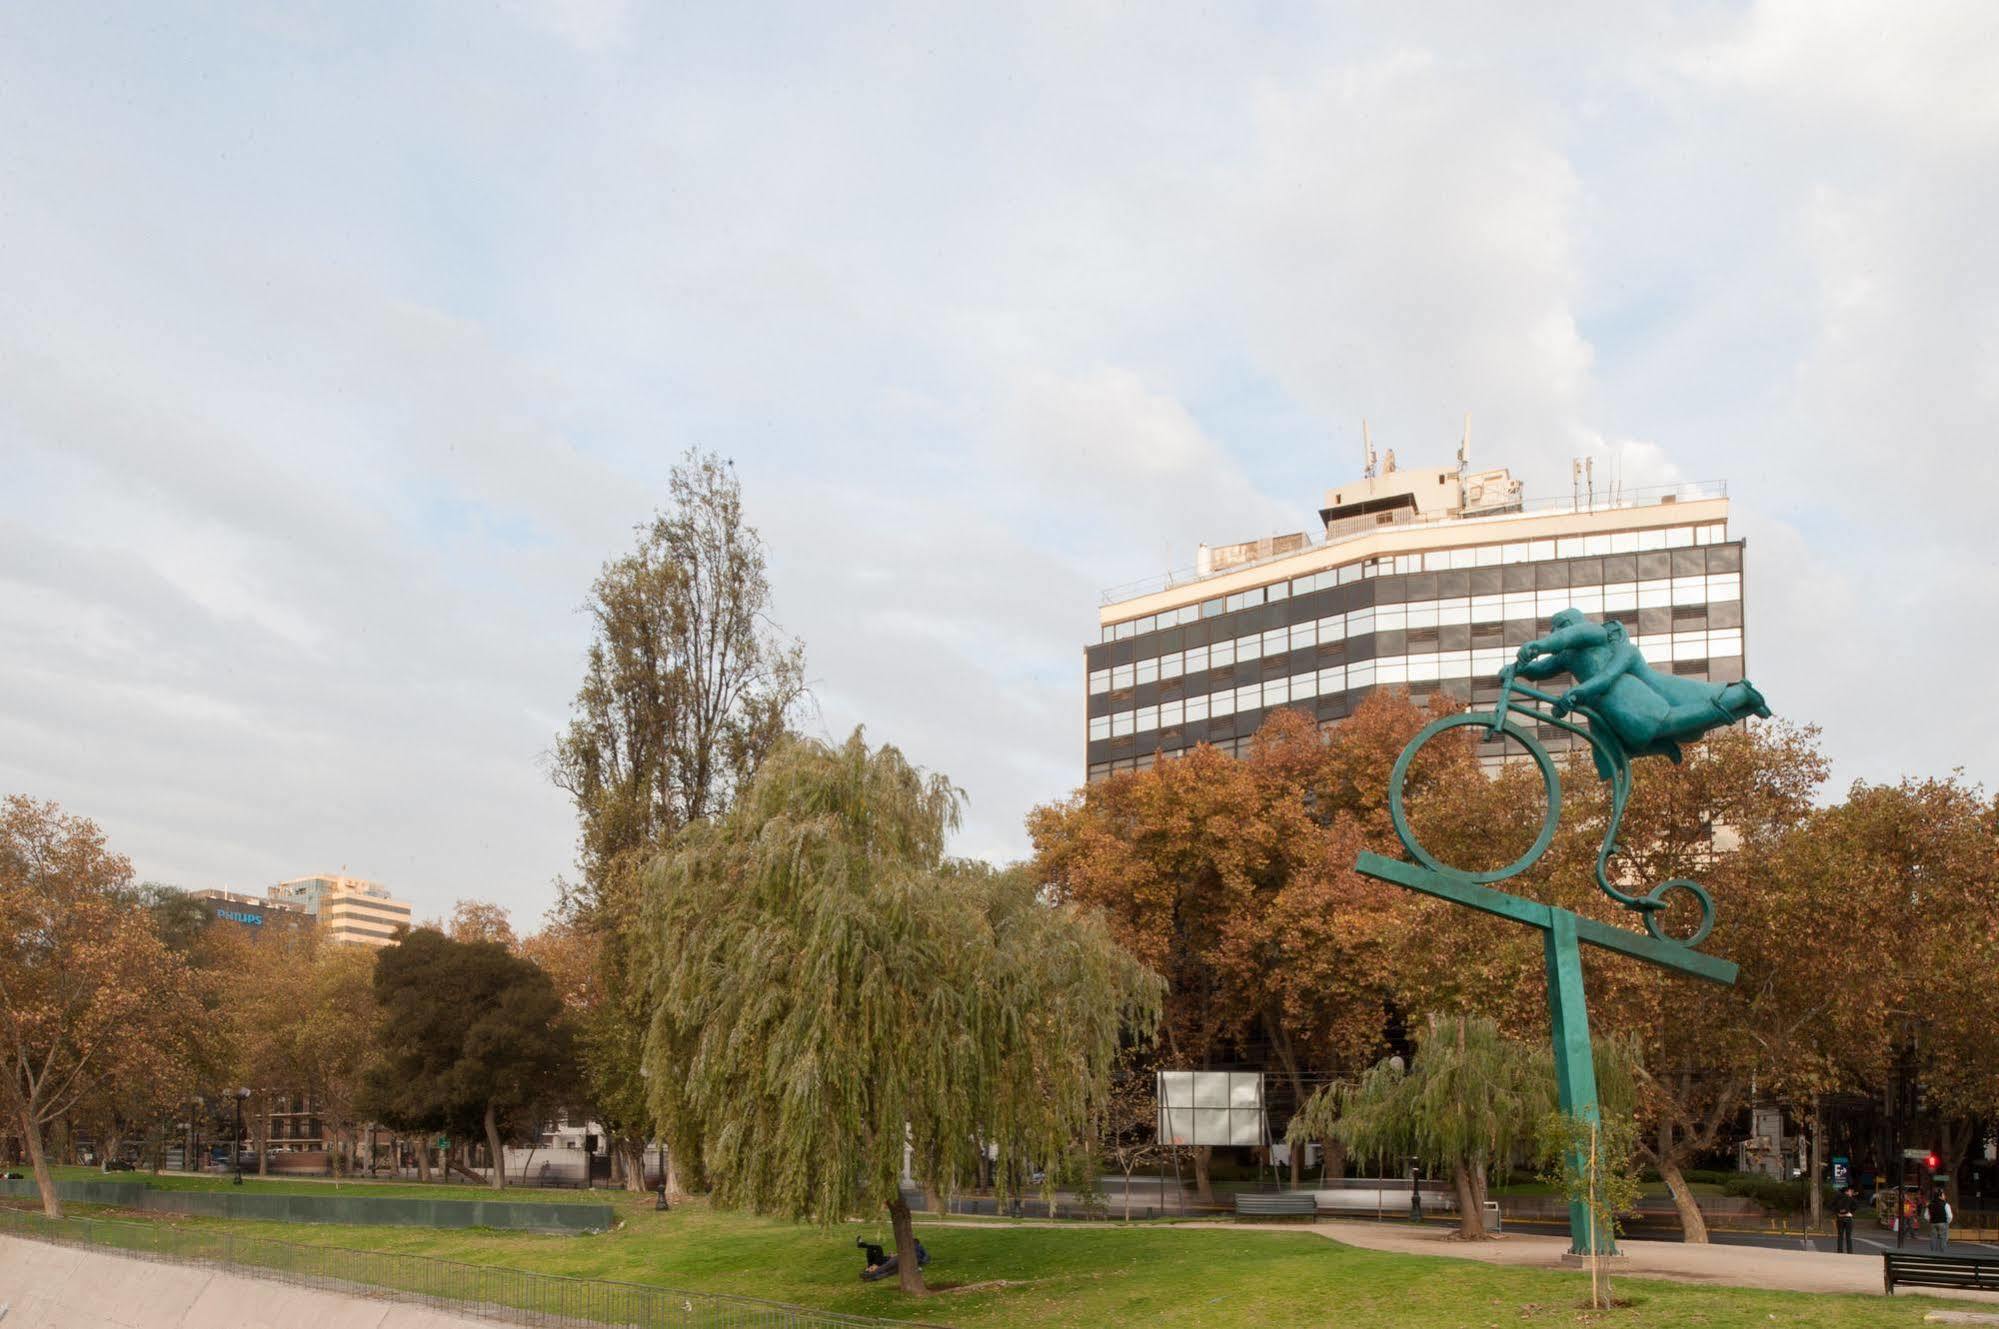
<point>1442,620</point>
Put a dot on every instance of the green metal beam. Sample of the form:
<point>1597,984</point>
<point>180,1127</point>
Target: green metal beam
<point>1638,945</point>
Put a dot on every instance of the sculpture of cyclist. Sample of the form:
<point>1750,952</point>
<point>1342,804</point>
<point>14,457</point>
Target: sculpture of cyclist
<point>1651,714</point>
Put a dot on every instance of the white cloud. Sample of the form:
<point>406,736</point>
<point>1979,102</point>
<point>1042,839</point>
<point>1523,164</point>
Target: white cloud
<point>591,26</point>
<point>335,361</point>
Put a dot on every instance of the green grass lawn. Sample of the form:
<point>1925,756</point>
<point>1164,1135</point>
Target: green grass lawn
<point>178,1181</point>
<point>1100,1274</point>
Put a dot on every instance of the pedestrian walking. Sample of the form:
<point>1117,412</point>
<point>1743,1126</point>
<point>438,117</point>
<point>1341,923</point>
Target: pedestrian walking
<point>1905,1213</point>
<point>1939,1221</point>
<point>1842,1221</point>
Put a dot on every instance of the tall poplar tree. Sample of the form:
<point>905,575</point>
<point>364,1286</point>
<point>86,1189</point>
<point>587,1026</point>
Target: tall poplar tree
<point>686,688</point>
<point>832,995</point>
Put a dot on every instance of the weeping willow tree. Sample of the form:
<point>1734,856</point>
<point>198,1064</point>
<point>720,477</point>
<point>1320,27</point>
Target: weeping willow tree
<point>832,997</point>
<point>1470,1100</point>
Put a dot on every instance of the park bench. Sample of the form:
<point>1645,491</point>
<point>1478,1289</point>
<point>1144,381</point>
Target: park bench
<point>1913,1270</point>
<point>1277,1204</point>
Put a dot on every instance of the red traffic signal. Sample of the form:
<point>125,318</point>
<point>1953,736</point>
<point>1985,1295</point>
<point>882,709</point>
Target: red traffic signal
<point>1931,1162</point>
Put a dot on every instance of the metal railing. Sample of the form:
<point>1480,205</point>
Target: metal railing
<point>1556,505</point>
<point>510,1296</point>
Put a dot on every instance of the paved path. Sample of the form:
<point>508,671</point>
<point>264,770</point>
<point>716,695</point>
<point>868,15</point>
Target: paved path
<point>1867,1240</point>
<point>1732,1266</point>
<point>63,1287</point>
<point>1736,1266</point>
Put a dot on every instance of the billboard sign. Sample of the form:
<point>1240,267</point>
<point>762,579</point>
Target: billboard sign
<point>1221,1108</point>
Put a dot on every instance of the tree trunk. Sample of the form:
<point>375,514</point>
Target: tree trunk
<point>1815,1188</point>
<point>1280,1040</point>
<point>908,1273</point>
<point>1693,1228</point>
<point>461,1162</point>
<point>423,1160</point>
<point>1471,1218</point>
<point>493,1144</point>
<point>1955,1139</point>
<point>1204,1189</point>
<point>31,1133</point>
<point>635,1164</point>
<point>1336,1158</point>
<point>673,1182</point>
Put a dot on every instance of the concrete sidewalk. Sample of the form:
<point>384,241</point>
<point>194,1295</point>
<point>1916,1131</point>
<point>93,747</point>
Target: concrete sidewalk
<point>62,1287</point>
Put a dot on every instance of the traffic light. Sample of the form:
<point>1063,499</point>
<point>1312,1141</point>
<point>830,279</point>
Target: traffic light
<point>1932,1162</point>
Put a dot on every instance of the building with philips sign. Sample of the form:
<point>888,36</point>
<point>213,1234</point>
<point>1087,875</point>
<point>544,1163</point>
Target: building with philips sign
<point>251,911</point>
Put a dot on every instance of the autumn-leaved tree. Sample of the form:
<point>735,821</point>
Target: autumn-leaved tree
<point>335,1045</point>
<point>481,920</point>
<point>1910,988</point>
<point>686,688</point>
<point>1233,879</point>
<point>829,992</point>
<point>89,994</point>
<point>1721,817</point>
<point>265,980</point>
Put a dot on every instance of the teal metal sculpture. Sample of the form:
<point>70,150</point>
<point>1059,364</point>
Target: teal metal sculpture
<point>1626,711</point>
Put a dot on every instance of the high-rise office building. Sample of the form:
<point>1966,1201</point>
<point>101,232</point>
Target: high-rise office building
<point>1427,580</point>
<point>349,908</point>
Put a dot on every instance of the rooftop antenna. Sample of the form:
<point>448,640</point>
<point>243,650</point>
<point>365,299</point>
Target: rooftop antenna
<point>1367,440</point>
<point>1464,447</point>
<point>1582,479</point>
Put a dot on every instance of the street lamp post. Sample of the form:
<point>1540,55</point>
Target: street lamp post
<point>1401,1067</point>
<point>237,1148</point>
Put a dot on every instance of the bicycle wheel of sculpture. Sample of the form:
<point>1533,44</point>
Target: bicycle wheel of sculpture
<point>1400,817</point>
<point>1701,897</point>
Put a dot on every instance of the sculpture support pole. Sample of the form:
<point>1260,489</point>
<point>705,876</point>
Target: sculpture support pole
<point>1575,1063</point>
<point>1564,935</point>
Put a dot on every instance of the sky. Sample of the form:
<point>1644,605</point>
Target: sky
<point>341,344</point>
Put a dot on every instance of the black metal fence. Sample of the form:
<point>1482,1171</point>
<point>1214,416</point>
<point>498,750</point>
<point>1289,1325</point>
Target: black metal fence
<point>511,1296</point>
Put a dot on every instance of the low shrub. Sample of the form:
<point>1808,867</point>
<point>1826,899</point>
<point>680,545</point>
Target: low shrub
<point>1782,1197</point>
